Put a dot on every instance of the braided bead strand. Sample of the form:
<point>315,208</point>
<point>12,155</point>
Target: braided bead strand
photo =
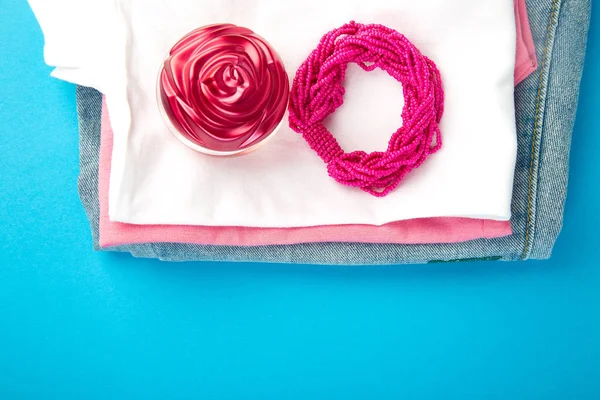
<point>317,92</point>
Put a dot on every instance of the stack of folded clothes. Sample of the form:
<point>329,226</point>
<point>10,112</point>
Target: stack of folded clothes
<point>494,190</point>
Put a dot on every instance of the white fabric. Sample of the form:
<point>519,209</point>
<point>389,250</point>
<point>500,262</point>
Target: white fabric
<point>118,48</point>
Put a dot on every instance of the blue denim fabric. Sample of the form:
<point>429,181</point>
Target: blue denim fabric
<point>546,103</point>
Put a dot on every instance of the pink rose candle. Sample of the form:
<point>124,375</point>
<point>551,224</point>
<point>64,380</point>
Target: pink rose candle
<point>223,90</point>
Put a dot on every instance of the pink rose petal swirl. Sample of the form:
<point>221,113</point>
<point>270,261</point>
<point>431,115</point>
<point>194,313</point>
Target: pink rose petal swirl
<point>223,89</point>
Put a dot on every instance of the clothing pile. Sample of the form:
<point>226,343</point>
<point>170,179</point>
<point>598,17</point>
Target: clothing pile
<point>495,189</point>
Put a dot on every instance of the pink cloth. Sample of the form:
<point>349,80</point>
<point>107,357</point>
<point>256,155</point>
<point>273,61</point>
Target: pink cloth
<point>415,231</point>
<point>526,61</point>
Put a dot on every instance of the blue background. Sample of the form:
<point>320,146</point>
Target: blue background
<point>75,323</point>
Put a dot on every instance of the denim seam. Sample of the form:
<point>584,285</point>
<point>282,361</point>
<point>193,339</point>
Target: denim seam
<point>538,131</point>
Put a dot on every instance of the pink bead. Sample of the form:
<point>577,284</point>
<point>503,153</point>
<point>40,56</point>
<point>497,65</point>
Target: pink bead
<point>317,91</point>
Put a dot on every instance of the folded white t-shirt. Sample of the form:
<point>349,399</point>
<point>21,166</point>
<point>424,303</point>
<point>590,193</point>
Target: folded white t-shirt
<point>118,47</point>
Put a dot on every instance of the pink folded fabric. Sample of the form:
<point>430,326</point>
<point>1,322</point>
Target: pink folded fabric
<point>526,61</point>
<point>415,231</point>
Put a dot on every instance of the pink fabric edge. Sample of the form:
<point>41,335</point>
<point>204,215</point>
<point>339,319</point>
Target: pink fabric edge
<point>526,60</point>
<point>415,231</point>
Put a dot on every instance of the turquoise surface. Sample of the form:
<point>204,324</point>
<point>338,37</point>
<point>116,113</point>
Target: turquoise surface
<point>76,324</point>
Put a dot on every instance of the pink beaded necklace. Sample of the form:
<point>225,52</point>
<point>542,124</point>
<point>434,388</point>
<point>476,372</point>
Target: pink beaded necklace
<point>317,92</point>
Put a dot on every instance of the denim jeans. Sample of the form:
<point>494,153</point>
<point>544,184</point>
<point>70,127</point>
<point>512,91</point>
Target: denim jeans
<point>546,103</point>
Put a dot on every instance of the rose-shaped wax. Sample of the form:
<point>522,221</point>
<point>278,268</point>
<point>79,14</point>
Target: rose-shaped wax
<point>223,89</point>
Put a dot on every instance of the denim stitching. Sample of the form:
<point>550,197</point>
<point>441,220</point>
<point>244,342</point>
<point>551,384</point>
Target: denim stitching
<point>536,132</point>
